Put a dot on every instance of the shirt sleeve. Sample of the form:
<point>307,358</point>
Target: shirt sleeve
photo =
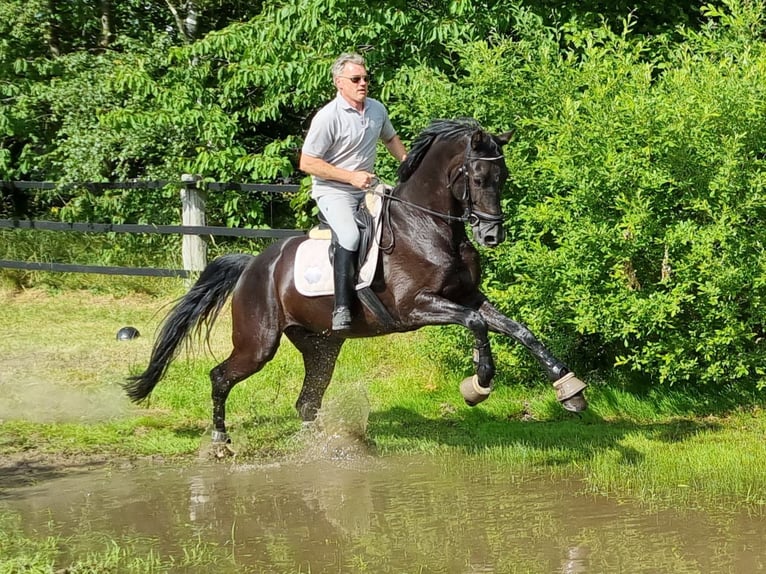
<point>387,131</point>
<point>319,137</point>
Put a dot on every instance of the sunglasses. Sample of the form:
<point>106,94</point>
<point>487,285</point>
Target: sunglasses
<point>357,79</point>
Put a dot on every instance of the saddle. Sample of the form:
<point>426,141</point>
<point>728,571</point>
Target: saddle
<point>313,270</point>
<point>366,218</point>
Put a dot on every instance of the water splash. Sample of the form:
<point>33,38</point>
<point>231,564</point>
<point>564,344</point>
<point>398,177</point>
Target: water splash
<point>340,429</point>
<point>44,401</point>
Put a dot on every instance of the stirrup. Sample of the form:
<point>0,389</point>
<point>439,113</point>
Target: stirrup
<point>341,319</point>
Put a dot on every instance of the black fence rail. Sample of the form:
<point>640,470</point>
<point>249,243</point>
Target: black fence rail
<point>192,191</point>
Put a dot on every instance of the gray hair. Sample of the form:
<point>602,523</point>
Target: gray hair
<point>346,58</point>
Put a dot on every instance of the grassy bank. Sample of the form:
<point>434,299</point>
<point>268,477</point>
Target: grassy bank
<point>61,368</point>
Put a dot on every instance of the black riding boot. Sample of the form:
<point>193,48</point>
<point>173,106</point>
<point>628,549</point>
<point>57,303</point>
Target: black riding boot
<point>344,275</point>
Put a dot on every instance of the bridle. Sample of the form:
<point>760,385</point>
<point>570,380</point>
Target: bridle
<point>471,215</point>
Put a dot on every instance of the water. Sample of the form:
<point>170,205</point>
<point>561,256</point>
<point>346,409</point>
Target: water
<point>372,514</point>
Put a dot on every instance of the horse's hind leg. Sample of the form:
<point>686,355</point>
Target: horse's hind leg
<point>569,389</point>
<point>247,358</point>
<point>319,355</point>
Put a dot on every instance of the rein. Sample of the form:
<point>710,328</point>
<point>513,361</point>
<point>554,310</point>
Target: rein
<point>444,216</point>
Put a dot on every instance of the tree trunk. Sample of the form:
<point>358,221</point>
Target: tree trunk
<point>107,33</point>
<point>187,24</point>
<point>53,29</point>
<point>191,21</point>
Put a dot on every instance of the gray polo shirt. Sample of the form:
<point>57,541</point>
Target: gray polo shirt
<point>346,138</point>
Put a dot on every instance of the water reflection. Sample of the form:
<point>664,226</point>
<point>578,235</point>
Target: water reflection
<point>369,514</point>
<point>576,561</point>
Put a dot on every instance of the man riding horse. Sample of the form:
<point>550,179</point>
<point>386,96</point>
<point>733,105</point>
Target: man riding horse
<point>339,153</point>
<point>428,271</point>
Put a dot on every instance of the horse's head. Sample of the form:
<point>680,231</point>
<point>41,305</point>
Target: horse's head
<point>478,185</point>
<point>475,174</point>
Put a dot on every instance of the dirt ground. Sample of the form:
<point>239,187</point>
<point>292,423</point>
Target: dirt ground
<point>27,469</point>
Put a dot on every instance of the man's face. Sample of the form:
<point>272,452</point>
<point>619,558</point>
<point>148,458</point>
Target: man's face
<point>352,83</point>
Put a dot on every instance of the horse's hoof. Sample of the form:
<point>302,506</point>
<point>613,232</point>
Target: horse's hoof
<point>575,404</point>
<point>473,392</point>
<point>220,446</point>
<point>221,450</point>
<point>569,393</point>
<point>308,413</point>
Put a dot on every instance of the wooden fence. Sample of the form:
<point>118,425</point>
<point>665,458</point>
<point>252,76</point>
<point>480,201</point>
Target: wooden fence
<point>192,227</point>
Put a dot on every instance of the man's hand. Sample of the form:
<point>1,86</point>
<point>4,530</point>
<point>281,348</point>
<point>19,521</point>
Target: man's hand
<point>361,179</point>
<point>320,168</point>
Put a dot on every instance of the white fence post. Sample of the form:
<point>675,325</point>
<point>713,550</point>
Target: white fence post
<point>194,247</point>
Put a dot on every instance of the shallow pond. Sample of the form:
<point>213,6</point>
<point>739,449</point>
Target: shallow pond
<point>372,514</point>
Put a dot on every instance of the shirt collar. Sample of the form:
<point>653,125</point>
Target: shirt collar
<point>344,104</point>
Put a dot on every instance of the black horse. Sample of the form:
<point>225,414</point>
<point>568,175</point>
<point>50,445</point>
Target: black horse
<point>428,274</point>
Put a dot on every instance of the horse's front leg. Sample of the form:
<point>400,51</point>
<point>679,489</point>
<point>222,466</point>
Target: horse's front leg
<point>438,311</point>
<point>569,389</point>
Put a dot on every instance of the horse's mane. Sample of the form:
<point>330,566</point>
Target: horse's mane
<point>448,129</point>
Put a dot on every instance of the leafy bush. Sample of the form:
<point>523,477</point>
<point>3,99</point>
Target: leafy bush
<point>637,184</point>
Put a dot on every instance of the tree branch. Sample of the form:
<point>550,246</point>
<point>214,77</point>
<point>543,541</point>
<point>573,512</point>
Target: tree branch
<point>179,21</point>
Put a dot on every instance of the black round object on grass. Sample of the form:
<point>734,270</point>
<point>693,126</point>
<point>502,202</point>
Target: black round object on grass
<point>127,333</point>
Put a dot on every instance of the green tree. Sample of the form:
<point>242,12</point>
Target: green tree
<point>637,179</point>
<point>637,172</point>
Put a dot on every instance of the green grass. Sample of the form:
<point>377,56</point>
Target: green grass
<point>61,369</point>
<point>92,553</point>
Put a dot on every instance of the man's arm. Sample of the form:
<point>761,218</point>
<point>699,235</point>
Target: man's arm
<point>320,168</point>
<point>396,148</point>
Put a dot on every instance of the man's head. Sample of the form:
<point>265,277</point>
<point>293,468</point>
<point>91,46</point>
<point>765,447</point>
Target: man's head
<point>349,74</point>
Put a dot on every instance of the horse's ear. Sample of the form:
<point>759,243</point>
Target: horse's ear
<point>477,138</point>
<point>503,139</point>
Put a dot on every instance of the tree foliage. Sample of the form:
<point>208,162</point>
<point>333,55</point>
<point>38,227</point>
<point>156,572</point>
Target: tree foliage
<point>637,181</point>
<point>637,170</point>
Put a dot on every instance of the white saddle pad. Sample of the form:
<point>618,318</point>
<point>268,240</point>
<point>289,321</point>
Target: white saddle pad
<point>313,272</point>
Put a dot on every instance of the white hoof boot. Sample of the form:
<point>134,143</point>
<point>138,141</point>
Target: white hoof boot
<point>473,392</point>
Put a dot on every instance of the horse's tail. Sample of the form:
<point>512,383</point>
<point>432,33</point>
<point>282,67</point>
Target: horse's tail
<point>199,306</point>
